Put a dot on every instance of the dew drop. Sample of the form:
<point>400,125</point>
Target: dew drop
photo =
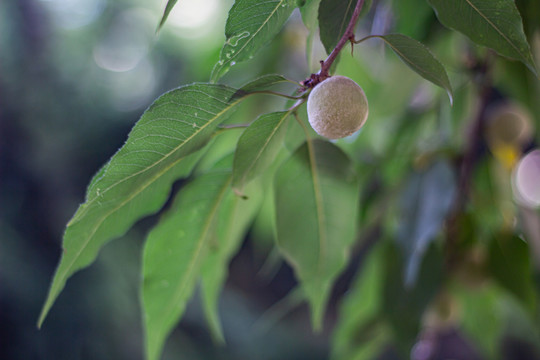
<point>233,63</point>
<point>233,40</point>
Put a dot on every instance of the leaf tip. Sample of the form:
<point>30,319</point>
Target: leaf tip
<point>42,316</point>
<point>450,96</point>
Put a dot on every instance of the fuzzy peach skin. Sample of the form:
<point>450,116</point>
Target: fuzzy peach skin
<point>337,107</point>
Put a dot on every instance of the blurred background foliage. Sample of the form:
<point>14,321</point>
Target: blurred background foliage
<point>425,281</point>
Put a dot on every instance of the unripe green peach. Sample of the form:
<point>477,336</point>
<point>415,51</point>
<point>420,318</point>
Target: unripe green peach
<point>337,107</point>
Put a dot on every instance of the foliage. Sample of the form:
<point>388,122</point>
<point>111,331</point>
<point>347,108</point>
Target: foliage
<point>431,203</point>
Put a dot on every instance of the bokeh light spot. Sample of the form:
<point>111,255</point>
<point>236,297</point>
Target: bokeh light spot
<point>125,43</point>
<point>526,181</point>
<point>193,14</point>
<point>73,14</point>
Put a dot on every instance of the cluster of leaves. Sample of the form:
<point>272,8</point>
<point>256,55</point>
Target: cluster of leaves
<point>315,185</point>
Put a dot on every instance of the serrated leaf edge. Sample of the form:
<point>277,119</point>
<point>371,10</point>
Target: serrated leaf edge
<point>63,277</point>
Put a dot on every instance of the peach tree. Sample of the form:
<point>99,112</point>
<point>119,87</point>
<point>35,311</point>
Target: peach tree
<point>427,221</point>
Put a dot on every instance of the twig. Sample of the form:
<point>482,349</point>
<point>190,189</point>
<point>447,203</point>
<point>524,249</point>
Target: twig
<point>468,162</point>
<point>348,36</point>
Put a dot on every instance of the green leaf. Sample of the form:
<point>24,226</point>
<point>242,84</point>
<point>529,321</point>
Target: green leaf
<point>418,57</point>
<point>235,216</point>
<point>482,316</point>
<point>359,334</point>
<point>168,9</point>
<point>510,265</point>
<point>493,23</point>
<point>425,203</point>
<point>310,12</point>
<point>137,179</point>
<point>412,18</point>
<point>174,252</point>
<point>258,147</point>
<point>262,83</point>
<point>403,305</point>
<point>316,197</point>
<point>250,25</point>
<point>334,17</point>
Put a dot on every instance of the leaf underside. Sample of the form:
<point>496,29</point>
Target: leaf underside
<point>174,252</point>
<point>357,335</point>
<point>261,83</point>
<point>258,147</point>
<point>316,200</point>
<point>168,8</point>
<point>234,218</point>
<point>496,24</point>
<point>161,148</point>
<point>418,57</point>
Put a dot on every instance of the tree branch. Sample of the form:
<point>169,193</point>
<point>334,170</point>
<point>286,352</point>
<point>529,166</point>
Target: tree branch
<point>469,160</point>
<point>348,36</point>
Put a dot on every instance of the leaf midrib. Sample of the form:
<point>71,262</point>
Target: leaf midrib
<point>167,155</point>
<point>496,29</point>
<point>318,203</point>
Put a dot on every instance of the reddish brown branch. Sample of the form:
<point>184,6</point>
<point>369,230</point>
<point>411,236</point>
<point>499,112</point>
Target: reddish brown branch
<point>348,36</point>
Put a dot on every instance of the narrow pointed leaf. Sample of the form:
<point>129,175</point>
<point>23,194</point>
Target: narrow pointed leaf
<point>418,57</point>
<point>235,216</point>
<point>425,203</point>
<point>359,334</point>
<point>168,8</point>
<point>493,23</point>
<point>262,83</point>
<point>258,147</point>
<point>137,179</point>
<point>316,197</point>
<point>250,25</point>
<point>310,12</point>
<point>174,252</point>
<point>510,265</point>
